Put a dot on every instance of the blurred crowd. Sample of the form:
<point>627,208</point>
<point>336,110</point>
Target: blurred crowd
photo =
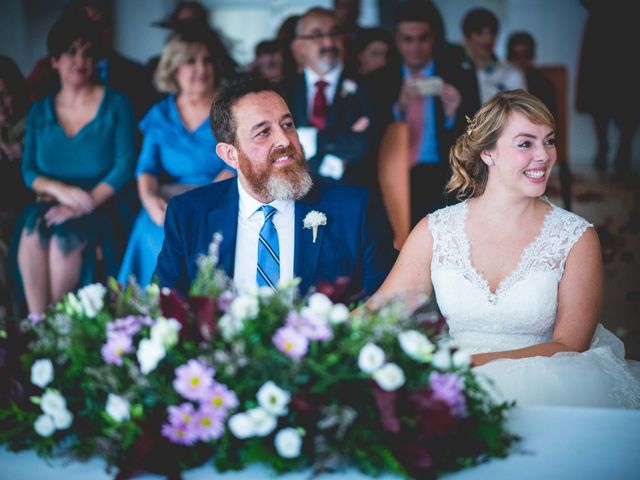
<point>93,145</point>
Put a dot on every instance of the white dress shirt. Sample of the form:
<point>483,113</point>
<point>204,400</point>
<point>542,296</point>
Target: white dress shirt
<point>250,220</point>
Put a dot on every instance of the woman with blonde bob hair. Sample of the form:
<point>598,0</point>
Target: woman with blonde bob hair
<point>178,148</point>
<point>518,280</point>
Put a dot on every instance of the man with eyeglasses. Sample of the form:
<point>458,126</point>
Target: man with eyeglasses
<point>330,106</point>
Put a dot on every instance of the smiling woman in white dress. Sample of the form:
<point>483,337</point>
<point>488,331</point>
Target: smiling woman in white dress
<point>518,279</point>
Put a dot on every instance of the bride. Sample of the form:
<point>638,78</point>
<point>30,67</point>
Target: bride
<point>518,280</point>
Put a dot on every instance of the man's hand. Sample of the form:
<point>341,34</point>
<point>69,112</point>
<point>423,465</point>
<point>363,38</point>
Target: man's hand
<point>156,207</point>
<point>451,99</point>
<point>408,93</point>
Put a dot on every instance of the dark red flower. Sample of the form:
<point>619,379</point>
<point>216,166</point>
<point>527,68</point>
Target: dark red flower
<point>386,403</point>
<point>173,306</point>
<point>206,314</point>
<point>433,416</point>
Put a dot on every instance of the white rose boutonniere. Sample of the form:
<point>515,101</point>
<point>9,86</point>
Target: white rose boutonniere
<point>313,220</point>
<point>349,87</point>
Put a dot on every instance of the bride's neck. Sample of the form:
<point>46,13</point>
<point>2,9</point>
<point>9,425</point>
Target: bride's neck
<point>501,207</point>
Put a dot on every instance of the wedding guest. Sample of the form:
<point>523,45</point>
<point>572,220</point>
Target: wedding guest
<point>268,61</point>
<point>14,196</point>
<point>372,50</point>
<point>518,280</point>
<point>313,232</point>
<point>480,29</point>
<point>111,67</point>
<point>79,151</point>
<point>290,48</point>
<point>331,107</point>
<point>178,150</point>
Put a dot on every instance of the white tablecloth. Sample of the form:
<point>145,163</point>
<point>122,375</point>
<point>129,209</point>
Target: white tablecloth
<point>557,443</point>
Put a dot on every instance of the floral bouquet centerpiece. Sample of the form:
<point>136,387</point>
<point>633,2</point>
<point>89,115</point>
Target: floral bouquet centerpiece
<point>149,380</point>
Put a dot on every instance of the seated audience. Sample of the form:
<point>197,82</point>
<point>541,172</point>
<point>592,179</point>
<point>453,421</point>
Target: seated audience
<point>79,151</point>
<point>178,149</point>
<point>268,61</point>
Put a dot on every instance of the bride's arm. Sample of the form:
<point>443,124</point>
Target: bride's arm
<point>579,304</point>
<point>412,270</point>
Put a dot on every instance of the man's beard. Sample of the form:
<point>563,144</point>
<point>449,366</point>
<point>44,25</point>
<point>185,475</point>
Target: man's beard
<point>289,183</point>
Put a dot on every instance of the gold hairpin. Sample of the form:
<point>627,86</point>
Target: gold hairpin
<point>471,124</point>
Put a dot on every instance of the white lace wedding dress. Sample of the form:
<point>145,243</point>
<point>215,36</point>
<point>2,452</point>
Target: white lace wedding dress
<point>522,312</point>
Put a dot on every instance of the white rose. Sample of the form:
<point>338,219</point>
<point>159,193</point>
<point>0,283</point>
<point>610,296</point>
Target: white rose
<point>92,299</point>
<point>265,292</point>
<point>72,305</point>
<point>117,407</point>
<point>241,426</point>
<point>62,419</point>
<point>42,372</point>
<point>165,331</point>
<point>416,345</point>
<point>52,402</point>
<point>263,422</point>
<point>442,359</point>
<point>339,314</point>
<point>389,377</point>
<point>288,442</point>
<point>319,305</point>
<point>370,358</point>
<point>149,354</point>
<point>229,326</point>
<point>273,399</point>
<point>244,307</point>
<point>44,426</point>
<point>461,359</point>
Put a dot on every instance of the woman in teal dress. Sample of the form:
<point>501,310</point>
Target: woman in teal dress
<point>79,151</point>
<point>178,149</point>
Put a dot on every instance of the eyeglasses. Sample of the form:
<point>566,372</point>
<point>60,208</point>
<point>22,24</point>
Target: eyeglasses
<point>318,36</point>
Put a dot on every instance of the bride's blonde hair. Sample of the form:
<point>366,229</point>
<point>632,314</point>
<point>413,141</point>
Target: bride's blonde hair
<point>469,172</point>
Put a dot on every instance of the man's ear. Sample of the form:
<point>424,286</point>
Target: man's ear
<point>228,153</point>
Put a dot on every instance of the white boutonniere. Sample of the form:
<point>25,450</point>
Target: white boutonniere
<point>349,87</point>
<point>315,219</point>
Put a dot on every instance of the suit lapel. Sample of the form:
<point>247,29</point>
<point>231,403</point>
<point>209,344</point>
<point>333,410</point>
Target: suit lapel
<point>223,218</point>
<point>306,253</point>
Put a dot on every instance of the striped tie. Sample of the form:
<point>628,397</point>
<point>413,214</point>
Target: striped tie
<point>268,272</point>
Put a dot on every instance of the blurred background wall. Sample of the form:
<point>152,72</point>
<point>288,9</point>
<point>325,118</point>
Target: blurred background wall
<point>557,26</point>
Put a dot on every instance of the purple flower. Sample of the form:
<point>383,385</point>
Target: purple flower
<point>35,318</point>
<point>129,325</point>
<point>193,380</point>
<point>209,424</point>
<point>224,300</point>
<point>220,399</point>
<point>312,327</point>
<point>183,414</point>
<point>118,344</point>
<point>290,342</point>
<point>180,433</point>
<point>448,388</point>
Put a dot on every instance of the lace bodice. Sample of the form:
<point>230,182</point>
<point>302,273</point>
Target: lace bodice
<point>522,310</point>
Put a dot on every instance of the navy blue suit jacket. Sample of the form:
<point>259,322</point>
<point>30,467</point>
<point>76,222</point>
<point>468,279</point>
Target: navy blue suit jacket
<point>357,149</point>
<point>355,243</point>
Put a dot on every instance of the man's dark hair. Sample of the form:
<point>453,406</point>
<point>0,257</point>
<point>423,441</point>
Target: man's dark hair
<point>421,11</point>
<point>477,19</point>
<point>69,28</point>
<point>266,46</point>
<point>222,122</point>
<point>521,38</point>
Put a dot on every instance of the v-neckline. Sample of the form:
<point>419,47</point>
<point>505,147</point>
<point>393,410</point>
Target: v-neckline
<point>180,120</point>
<point>512,275</point>
<point>52,105</point>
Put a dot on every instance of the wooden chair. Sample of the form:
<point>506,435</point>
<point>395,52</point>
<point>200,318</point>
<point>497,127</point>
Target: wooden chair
<point>558,75</point>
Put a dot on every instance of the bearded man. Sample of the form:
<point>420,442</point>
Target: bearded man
<point>276,224</point>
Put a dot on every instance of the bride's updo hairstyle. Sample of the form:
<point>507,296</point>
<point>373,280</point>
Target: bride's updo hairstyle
<point>469,172</point>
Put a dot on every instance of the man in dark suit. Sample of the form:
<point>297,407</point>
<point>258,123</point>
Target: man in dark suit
<point>266,215</point>
<point>429,100</point>
<point>331,107</point>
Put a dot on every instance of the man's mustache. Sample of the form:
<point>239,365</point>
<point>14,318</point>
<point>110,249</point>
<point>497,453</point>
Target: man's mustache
<point>289,150</point>
<point>330,51</point>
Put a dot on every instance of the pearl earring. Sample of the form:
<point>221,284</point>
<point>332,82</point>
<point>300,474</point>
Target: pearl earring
<point>491,163</point>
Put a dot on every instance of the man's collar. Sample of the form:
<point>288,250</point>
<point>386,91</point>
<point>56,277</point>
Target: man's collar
<point>249,205</point>
<point>331,77</point>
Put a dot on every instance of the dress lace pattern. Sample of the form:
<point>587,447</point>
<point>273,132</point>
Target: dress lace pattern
<point>522,312</point>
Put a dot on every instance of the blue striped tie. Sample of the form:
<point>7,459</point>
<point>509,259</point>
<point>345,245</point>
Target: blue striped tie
<point>268,272</point>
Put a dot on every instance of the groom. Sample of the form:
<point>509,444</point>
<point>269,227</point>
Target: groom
<point>262,213</point>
